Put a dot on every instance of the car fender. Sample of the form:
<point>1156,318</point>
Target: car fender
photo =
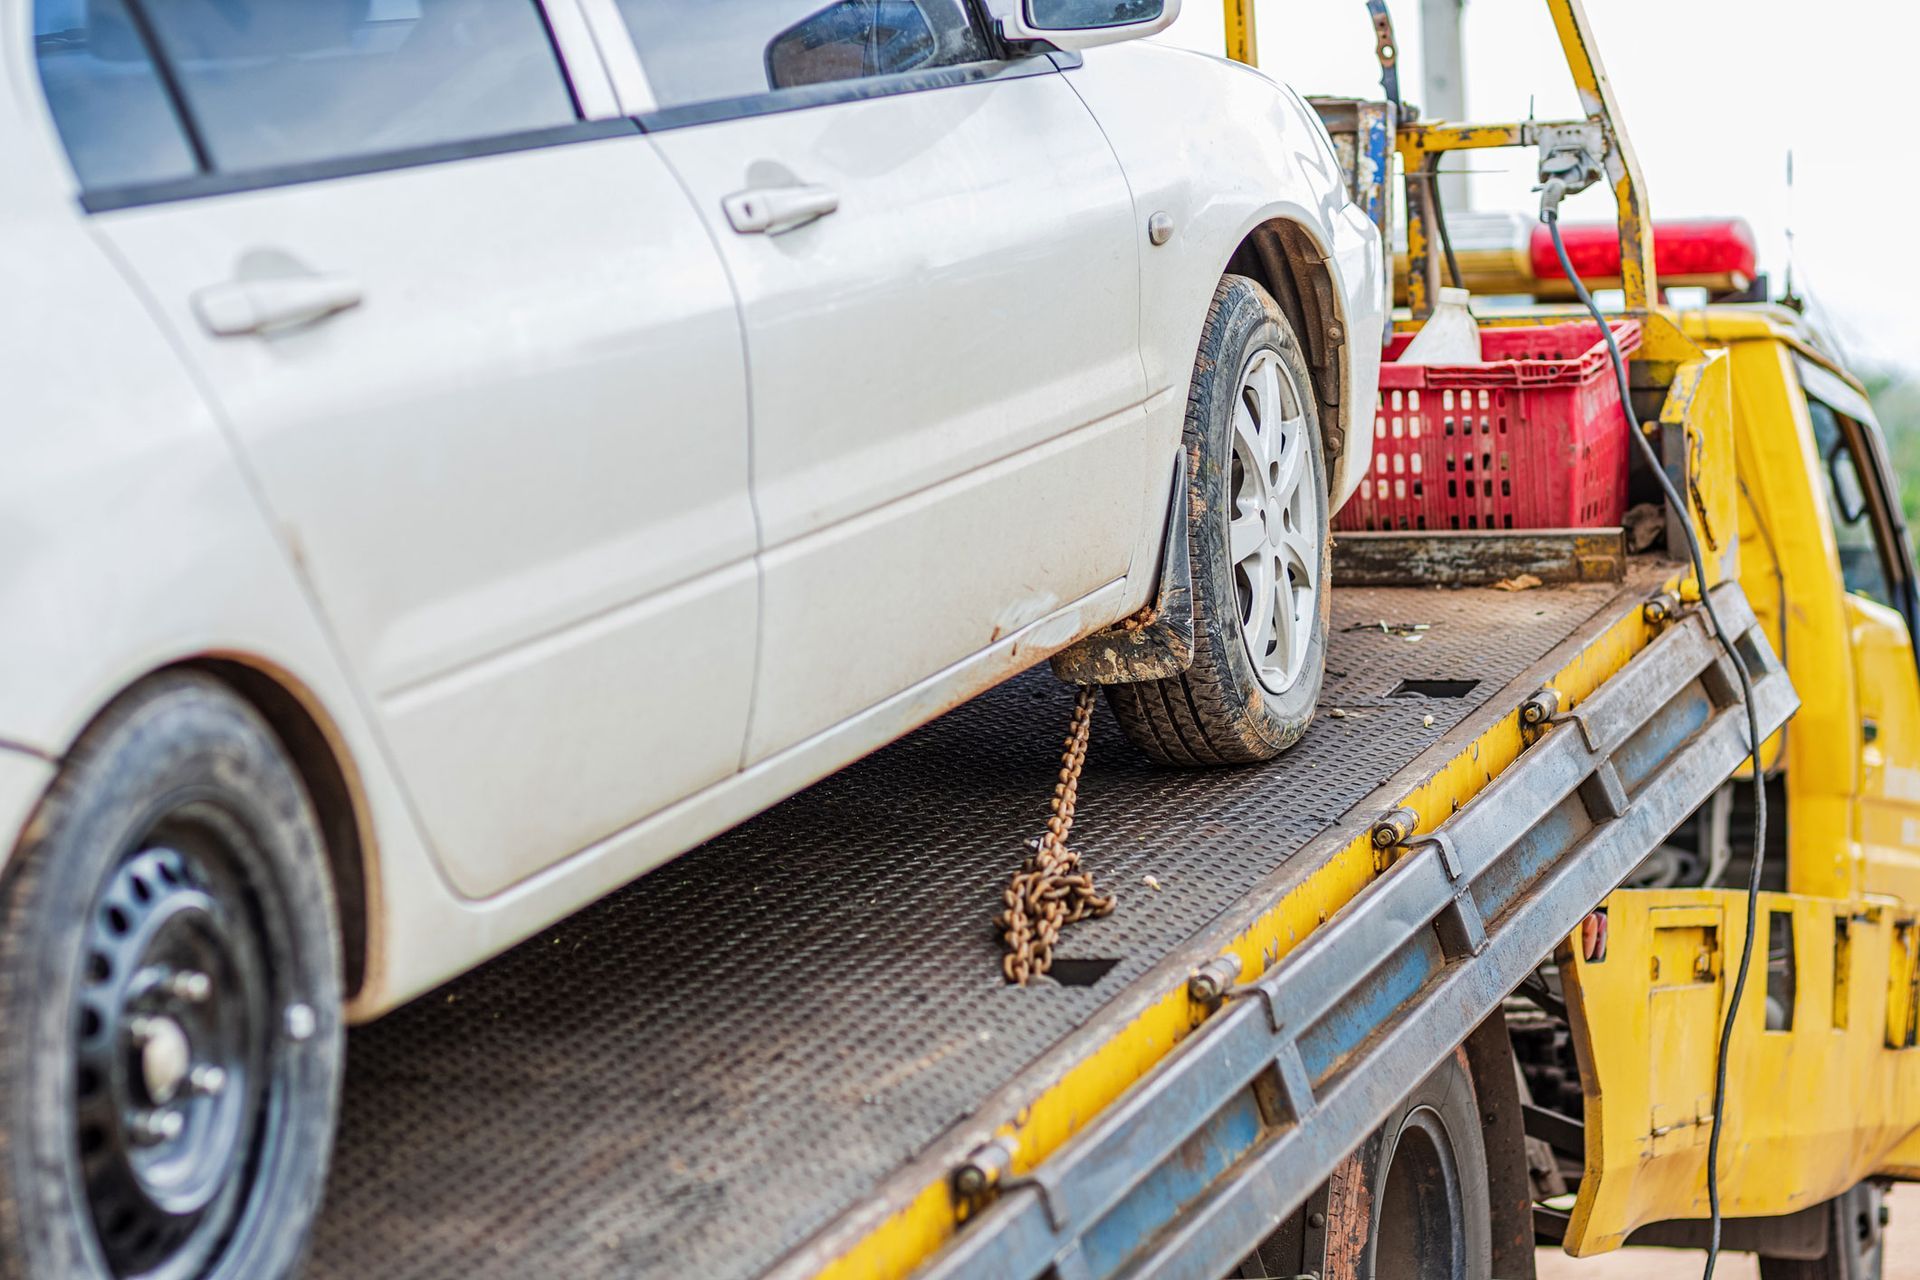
<point>1221,149</point>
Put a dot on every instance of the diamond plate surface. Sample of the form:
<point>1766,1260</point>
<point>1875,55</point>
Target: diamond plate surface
<point>695,1074</point>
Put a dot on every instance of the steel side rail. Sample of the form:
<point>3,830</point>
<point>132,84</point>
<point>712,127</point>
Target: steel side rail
<point>1503,881</point>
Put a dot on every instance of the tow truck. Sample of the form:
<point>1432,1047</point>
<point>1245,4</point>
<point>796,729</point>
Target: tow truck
<point>1448,981</point>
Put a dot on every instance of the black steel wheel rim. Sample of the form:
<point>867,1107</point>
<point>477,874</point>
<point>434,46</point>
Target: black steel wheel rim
<point>172,1023</point>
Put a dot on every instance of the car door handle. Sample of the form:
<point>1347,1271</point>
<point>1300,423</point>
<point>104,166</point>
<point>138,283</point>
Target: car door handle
<point>267,304</point>
<point>773,210</point>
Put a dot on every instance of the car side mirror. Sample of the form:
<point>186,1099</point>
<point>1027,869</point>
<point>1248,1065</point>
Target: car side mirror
<point>1081,24</point>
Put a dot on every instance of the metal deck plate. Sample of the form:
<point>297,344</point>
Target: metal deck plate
<point>694,1075</point>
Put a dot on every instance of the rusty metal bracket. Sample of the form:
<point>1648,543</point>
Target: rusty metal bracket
<point>1587,731</point>
<point>985,1169</point>
<point>1212,980</point>
<point>1541,708</point>
<point>1393,828</point>
<point>1542,711</point>
<point>1157,643</point>
<point>1449,856</point>
<point>1462,930</point>
<point>1386,49</point>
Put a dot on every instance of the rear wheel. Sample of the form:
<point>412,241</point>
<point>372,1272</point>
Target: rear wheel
<point>169,975</point>
<point>1257,520</point>
<point>1410,1204</point>
<point>1855,1241</point>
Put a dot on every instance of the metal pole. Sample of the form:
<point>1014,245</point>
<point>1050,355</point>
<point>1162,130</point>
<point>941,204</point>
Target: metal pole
<point>1242,41</point>
<point>1443,88</point>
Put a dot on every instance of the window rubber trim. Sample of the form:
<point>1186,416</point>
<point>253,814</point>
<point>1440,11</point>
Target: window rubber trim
<point>203,185</point>
<point>832,93</point>
<point>199,186</point>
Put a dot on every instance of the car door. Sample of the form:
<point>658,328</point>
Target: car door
<point>937,264</point>
<point>1876,572</point>
<point>484,365</point>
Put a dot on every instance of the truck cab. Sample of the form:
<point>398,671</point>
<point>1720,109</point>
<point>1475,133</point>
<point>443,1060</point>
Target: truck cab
<point>1826,559</point>
<point>1822,1092</point>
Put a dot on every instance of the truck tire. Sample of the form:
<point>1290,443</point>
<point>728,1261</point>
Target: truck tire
<point>1855,1237</point>
<point>170,985</point>
<point>1410,1204</point>
<point>1257,521</point>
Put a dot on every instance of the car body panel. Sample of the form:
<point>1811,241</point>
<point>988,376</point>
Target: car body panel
<point>480,471</point>
<point>971,304</point>
<point>1260,156</point>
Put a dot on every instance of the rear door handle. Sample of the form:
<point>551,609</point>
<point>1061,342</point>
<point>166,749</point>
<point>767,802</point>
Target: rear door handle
<point>772,210</point>
<point>261,305</point>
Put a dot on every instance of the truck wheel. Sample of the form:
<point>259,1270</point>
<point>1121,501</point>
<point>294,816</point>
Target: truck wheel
<point>1855,1230</point>
<point>170,985</point>
<point>1410,1204</point>
<point>1257,523</point>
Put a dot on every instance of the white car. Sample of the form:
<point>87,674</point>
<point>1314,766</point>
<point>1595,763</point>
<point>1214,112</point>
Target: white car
<point>459,454</point>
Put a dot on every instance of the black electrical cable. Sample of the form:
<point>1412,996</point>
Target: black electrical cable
<point>1552,219</point>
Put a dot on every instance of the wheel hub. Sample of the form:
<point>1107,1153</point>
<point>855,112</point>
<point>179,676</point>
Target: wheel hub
<point>171,1052</point>
<point>166,1055</point>
<point>1274,521</point>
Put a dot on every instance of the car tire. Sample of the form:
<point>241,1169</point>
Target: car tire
<point>1257,533</point>
<point>1856,1240</point>
<point>168,948</point>
<point>1411,1204</point>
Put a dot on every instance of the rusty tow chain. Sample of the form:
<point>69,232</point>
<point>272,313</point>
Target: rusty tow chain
<point>1050,891</point>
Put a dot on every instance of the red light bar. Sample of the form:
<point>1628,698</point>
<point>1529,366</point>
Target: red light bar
<point>1721,247</point>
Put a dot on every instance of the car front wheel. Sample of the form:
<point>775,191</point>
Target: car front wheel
<point>170,990</point>
<point>1257,521</point>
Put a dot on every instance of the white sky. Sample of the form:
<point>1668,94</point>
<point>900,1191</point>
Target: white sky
<point>1714,93</point>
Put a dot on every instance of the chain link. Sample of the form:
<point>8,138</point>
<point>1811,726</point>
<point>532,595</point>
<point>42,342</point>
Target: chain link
<point>1050,891</point>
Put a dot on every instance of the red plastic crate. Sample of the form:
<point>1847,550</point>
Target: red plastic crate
<point>1532,438</point>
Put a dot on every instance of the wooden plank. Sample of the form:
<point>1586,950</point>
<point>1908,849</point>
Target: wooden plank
<point>1478,557</point>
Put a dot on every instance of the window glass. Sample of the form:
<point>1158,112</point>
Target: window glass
<point>278,82</point>
<point>1081,15</point>
<point>1861,567</point>
<point>697,51</point>
<point>106,98</point>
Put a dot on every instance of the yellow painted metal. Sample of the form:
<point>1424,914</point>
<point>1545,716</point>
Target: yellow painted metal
<point>1637,277</point>
<point>1422,138</point>
<point>1418,143</point>
<point>1811,1108</point>
<point>905,1235</point>
<point>1422,280</point>
<point>1887,813</point>
<point>1243,44</point>
<point>1417,272</point>
<point>1790,570</point>
<point>1696,417</point>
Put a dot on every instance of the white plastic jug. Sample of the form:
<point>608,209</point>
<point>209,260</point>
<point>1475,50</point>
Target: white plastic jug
<point>1449,336</point>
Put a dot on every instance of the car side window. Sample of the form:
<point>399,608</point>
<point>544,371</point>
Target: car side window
<point>290,82</point>
<point>106,96</point>
<point>695,51</point>
<point>1850,506</point>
